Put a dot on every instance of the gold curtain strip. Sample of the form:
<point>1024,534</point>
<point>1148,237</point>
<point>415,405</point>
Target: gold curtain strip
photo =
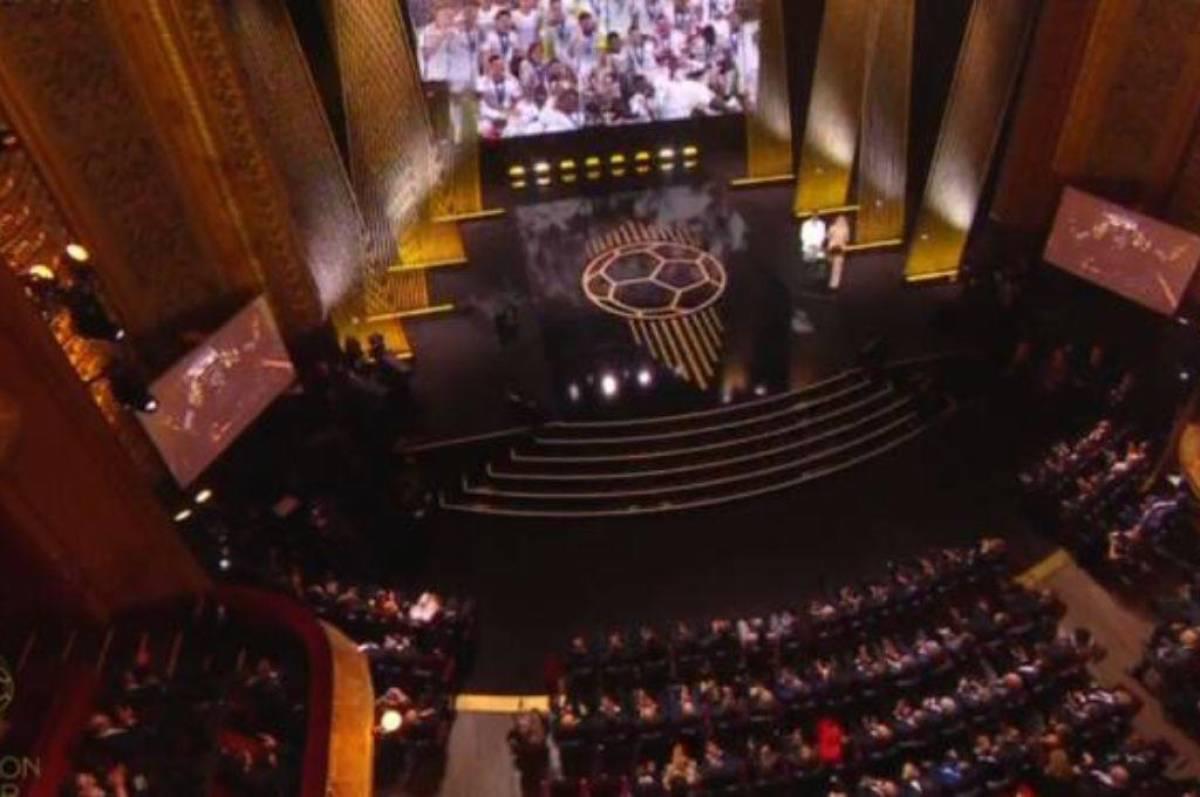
<point>769,120</point>
<point>834,107</point>
<point>883,140</point>
<point>984,79</point>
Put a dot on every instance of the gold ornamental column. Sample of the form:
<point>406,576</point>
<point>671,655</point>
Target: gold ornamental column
<point>296,129</point>
<point>189,75</point>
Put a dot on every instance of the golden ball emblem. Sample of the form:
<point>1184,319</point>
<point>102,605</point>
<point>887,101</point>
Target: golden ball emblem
<point>654,280</point>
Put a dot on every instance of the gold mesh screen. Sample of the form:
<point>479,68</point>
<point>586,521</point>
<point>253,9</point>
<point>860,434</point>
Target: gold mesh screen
<point>883,146</point>
<point>831,131</point>
<point>769,122</point>
<point>289,110</point>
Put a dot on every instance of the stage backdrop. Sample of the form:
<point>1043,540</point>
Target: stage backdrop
<point>538,69</point>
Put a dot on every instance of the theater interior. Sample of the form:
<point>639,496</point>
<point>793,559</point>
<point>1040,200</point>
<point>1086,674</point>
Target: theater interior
<point>599,398</point>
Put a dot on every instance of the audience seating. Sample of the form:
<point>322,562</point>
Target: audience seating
<point>943,677</point>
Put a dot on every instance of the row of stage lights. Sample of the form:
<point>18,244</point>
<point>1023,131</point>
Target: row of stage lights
<point>608,384</point>
<point>594,167</point>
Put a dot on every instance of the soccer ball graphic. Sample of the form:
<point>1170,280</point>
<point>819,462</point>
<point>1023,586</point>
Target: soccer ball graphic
<point>651,280</point>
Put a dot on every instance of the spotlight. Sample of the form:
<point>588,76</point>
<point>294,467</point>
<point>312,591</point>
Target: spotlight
<point>182,515</point>
<point>567,165</point>
<point>391,721</point>
<point>516,172</point>
<point>573,392</point>
<point>543,181</point>
<point>616,159</point>
<point>568,179</point>
<point>666,154</point>
<point>519,184</point>
<point>224,563</point>
<point>203,496</point>
<point>594,175</point>
<point>691,151</point>
<point>541,167</point>
<point>666,167</point>
<point>642,157</point>
<point>645,377</point>
<point>592,162</point>
<point>760,390</point>
<point>609,386</point>
<point>41,273</point>
<point>620,171</point>
<point>642,169</point>
<point>78,253</point>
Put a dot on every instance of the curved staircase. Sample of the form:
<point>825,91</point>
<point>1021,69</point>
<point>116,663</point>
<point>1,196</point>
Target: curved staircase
<point>692,460</point>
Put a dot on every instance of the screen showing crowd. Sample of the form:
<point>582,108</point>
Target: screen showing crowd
<point>549,66</point>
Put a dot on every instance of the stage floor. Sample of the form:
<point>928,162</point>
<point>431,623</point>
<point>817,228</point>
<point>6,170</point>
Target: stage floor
<point>760,320</point>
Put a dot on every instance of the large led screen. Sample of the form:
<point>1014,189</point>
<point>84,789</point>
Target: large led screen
<point>550,66</point>
<point>210,396</point>
<point>1138,257</point>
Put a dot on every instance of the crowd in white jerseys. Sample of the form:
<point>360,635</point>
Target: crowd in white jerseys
<point>546,66</point>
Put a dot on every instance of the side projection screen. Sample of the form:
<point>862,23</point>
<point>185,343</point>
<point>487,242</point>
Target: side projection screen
<point>217,390</point>
<point>1140,258</point>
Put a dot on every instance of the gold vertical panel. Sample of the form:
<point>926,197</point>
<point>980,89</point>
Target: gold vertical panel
<point>391,149</point>
<point>834,107</point>
<point>989,62</point>
<point>289,110</point>
<point>883,142</point>
<point>769,121</point>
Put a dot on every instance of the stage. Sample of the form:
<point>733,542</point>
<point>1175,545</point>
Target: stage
<point>760,319</point>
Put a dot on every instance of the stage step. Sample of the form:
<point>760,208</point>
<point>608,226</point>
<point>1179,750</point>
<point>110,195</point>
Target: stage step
<point>779,445</point>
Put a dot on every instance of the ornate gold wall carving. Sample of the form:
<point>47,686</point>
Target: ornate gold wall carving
<point>883,144</point>
<point>68,90</point>
<point>831,131</point>
<point>296,129</point>
<point>769,122</point>
<point>988,65</point>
